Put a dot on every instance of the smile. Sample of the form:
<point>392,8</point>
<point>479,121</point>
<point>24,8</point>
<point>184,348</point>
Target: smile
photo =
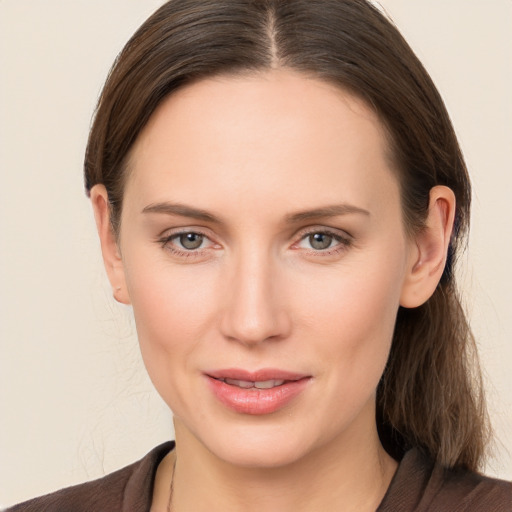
<point>246,384</point>
<point>256,393</point>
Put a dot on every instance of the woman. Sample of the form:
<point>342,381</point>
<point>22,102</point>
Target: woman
<point>280,196</point>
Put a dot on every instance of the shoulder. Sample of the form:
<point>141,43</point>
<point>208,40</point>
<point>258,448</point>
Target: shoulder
<point>459,490</point>
<point>419,485</point>
<point>129,488</point>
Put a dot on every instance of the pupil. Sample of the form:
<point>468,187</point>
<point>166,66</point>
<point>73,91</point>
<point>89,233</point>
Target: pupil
<point>320,241</point>
<point>191,240</point>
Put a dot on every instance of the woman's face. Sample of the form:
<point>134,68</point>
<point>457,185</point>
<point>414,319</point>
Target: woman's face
<point>262,242</point>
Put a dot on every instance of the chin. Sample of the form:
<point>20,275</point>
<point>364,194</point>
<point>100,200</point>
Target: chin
<point>260,450</point>
<point>253,442</point>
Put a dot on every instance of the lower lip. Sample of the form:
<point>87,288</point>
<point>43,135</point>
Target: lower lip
<point>257,401</point>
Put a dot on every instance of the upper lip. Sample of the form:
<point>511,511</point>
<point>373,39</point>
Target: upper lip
<point>261,375</point>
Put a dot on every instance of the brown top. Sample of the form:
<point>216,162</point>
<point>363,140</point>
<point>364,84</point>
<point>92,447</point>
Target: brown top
<point>418,486</point>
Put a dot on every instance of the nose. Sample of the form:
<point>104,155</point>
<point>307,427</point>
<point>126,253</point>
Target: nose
<point>255,309</point>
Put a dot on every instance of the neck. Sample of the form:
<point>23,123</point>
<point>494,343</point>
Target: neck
<point>350,474</point>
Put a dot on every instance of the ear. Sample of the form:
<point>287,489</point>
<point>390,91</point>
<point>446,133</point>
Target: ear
<point>429,249</point>
<point>109,246</point>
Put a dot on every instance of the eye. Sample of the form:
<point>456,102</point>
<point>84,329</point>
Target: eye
<point>320,241</point>
<point>186,243</point>
<point>323,241</point>
<point>190,241</point>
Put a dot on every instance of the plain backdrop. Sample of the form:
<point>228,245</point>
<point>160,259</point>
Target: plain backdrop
<point>75,401</point>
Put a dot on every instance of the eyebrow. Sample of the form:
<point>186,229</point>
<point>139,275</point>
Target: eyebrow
<point>325,212</point>
<point>183,210</point>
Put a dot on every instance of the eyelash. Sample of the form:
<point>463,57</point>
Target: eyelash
<point>343,243</point>
<point>165,242</point>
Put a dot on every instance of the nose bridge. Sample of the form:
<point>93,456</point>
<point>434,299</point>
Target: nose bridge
<point>254,309</point>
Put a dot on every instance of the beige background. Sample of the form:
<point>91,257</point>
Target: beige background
<point>74,399</point>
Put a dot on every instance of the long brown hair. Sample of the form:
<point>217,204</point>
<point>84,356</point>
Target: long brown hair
<point>430,395</point>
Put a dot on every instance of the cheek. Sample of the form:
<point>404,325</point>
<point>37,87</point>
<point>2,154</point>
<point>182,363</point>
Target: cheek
<point>351,316</point>
<point>172,309</point>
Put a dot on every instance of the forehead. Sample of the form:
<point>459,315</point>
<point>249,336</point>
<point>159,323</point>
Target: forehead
<point>278,135</point>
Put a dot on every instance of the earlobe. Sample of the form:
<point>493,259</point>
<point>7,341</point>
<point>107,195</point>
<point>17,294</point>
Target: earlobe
<point>109,246</point>
<point>428,256</point>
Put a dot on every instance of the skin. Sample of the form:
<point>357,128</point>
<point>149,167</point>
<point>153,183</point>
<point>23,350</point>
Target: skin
<point>254,151</point>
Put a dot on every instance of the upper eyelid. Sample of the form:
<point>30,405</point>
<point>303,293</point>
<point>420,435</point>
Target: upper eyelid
<point>342,237</point>
<point>323,229</point>
<point>170,232</point>
<point>169,235</point>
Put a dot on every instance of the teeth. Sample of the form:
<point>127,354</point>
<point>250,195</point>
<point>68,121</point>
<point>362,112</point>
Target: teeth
<point>267,384</point>
<point>240,383</point>
<point>245,384</point>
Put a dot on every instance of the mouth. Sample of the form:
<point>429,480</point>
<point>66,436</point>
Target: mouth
<point>256,393</point>
<point>247,384</point>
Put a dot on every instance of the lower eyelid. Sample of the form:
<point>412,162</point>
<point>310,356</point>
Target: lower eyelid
<point>342,240</point>
<point>170,243</point>
<point>336,251</point>
<point>176,251</point>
